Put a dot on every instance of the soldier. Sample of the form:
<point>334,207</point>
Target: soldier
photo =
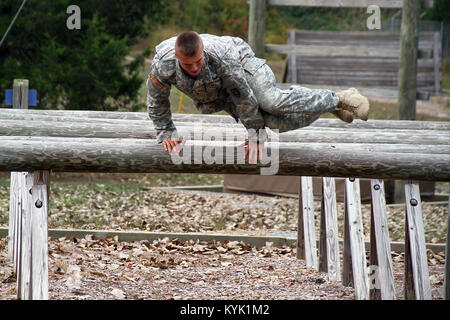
<point>222,73</point>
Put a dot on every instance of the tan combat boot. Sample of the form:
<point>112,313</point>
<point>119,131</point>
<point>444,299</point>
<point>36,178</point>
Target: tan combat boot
<point>344,115</point>
<point>354,102</point>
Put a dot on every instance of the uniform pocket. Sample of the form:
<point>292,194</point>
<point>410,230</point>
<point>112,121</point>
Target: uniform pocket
<point>253,64</point>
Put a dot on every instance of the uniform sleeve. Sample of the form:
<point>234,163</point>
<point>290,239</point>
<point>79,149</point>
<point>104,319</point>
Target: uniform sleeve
<point>158,106</point>
<point>247,109</point>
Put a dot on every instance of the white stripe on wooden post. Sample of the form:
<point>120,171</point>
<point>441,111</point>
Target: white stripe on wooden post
<point>20,101</point>
<point>356,237</point>
<point>25,267</point>
<point>329,246</point>
<point>39,232</point>
<point>447,258</point>
<point>306,234</point>
<point>417,280</point>
<point>382,279</point>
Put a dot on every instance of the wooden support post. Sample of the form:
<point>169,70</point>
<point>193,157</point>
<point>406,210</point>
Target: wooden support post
<point>437,62</point>
<point>329,246</point>
<point>32,277</point>
<point>356,238</point>
<point>306,234</point>
<point>257,26</point>
<point>382,274</point>
<point>417,280</point>
<point>407,73</point>
<point>291,59</point>
<point>447,258</point>
<point>20,101</point>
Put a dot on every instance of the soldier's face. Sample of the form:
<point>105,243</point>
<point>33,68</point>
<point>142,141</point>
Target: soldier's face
<point>192,65</point>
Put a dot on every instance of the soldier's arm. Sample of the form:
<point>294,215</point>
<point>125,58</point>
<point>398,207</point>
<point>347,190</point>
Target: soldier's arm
<point>158,106</point>
<point>235,82</point>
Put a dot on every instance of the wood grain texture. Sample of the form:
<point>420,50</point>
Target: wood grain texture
<point>112,155</point>
<point>356,237</point>
<point>417,279</point>
<point>380,244</point>
<point>306,243</point>
<point>329,260</point>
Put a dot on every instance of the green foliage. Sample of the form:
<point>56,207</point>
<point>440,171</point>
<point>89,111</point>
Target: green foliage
<point>76,69</point>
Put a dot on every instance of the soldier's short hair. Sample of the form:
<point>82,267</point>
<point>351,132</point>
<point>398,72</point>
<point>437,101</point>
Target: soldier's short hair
<point>188,43</point>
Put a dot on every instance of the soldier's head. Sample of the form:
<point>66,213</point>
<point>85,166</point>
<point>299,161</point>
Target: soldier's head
<point>189,52</point>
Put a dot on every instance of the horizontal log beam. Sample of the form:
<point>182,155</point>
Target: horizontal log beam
<point>106,116</point>
<point>316,147</point>
<point>323,135</point>
<point>112,156</point>
<point>393,4</point>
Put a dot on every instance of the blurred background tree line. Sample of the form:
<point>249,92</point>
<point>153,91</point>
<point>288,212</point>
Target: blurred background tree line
<point>103,65</point>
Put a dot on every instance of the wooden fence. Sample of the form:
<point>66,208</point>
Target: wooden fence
<point>368,61</point>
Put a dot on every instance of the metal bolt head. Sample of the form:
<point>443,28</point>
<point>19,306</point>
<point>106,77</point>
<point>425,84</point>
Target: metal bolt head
<point>413,202</point>
<point>38,204</point>
<point>377,187</point>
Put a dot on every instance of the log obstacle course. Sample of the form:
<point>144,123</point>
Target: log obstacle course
<point>35,142</point>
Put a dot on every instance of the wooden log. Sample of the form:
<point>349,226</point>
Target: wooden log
<point>417,279</point>
<point>382,284</point>
<point>329,260</point>
<point>257,26</point>
<point>345,3</point>
<point>99,130</point>
<point>356,239</point>
<point>123,156</point>
<point>306,232</point>
<point>87,116</point>
<point>306,146</point>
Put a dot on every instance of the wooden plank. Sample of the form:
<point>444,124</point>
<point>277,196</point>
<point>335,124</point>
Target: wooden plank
<point>363,38</point>
<point>356,237</point>
<point>336,51</point>
<point>381,259</point>
<point>306,244</point>
<point>24,279</point>
<point>346,3</point>
<point>347,268</point>
<point>417,279</point>
<point>447,257</point>
<point>40,242</point>
<point>14,206</point>
<point>329,260</point>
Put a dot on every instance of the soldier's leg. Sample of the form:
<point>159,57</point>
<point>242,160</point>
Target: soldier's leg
<point>295,100</point>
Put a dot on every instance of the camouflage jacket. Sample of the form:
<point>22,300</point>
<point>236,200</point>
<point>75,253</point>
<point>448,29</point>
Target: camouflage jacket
<point>221,85</point>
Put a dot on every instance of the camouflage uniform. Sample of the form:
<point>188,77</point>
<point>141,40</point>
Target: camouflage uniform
<point>234,80</point>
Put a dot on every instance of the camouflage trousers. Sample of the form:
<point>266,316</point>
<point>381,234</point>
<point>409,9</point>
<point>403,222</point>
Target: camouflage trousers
<point>289,109</point>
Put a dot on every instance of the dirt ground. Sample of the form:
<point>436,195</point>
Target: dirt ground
<point>90,269</point>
